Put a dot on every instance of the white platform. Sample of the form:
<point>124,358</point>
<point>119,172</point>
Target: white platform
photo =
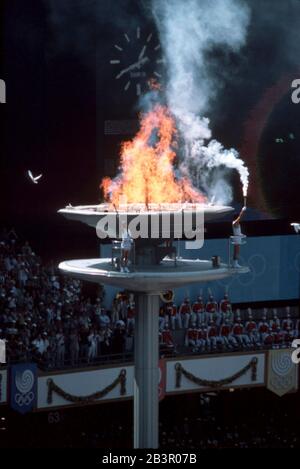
<point>148,279</point>
<point>92,214</point>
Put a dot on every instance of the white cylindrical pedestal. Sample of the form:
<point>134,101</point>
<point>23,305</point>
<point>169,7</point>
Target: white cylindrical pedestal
<point>146,355</point>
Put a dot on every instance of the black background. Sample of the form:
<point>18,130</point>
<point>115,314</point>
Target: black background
<point>60,90</point>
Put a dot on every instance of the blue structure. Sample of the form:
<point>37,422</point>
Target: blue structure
<point>274,263</point>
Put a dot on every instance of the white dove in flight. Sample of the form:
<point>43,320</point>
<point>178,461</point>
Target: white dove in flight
<point>34,179</point>
<point>296,227</point>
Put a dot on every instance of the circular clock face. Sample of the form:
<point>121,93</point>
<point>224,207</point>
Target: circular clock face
<point>137,59</point>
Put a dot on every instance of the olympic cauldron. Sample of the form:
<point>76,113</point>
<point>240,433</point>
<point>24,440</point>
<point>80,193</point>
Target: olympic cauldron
<point>155,267</point>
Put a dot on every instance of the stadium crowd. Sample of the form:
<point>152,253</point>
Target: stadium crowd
<point>45,317</point>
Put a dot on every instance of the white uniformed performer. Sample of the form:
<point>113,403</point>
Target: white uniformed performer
<point>237,237</point>
<point>126,245</point>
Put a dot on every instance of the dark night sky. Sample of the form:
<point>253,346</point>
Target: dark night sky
<point>54,59</point>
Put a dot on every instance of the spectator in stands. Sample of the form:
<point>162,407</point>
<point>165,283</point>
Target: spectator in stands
<point>60,348</point>
<point>93,345</point>
<point>74,347</point>
<point>104,318</point>
<point>130,317</point>
<point>119,338</point>
<point>114,311</point>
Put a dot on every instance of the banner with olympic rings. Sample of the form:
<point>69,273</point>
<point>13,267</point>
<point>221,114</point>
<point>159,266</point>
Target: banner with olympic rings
<point>23,387</point>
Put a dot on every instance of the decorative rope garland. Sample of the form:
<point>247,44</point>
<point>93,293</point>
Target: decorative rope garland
<point>215,384</point>
<point>52,387</point>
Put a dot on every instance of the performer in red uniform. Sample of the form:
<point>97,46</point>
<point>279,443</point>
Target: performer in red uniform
<point>185,311</point>
<point>278,336</point>
<point>211,305</point>
<point>237,331</point>
<point>263,328</point>
<point>289,336</point>
<point>226,335</point>
<point>192,337</point>
<point>288,322</point>
<point>225,308</point>
<point>274,323</point>
<point>167,338</point>
<point>251,330</point>
<point>212,333</point>
<point>198,314</point>
<point>269,338</point>
<point>228,315</point>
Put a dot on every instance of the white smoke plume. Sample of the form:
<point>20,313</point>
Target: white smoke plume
<point>189,30</point>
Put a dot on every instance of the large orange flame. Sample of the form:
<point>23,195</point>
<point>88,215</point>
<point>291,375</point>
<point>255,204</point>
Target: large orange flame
<point>147,172</point>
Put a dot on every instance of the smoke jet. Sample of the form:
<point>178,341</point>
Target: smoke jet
<point>189,31</point>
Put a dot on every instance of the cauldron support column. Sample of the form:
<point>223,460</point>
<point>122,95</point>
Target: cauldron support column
<point>146,356</point>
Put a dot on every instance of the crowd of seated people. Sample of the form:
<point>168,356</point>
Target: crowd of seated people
<point>45,317</point>
<point>214,326</point>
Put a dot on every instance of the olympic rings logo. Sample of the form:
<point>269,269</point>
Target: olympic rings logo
<point>24,399</point>
<point>257,264</point>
